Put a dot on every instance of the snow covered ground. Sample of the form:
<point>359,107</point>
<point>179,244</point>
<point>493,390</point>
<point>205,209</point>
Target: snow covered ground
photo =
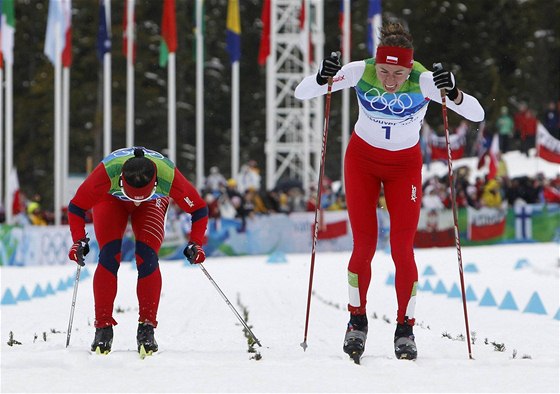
<point>203,347</point>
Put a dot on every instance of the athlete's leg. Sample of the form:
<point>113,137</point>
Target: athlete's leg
<point>403,194</point>
<point>110,217</point>
<point>148,225</point>
<point>362,193</point>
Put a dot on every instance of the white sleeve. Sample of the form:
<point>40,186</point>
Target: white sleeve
<point>348,76</point>
<point>469,108</point>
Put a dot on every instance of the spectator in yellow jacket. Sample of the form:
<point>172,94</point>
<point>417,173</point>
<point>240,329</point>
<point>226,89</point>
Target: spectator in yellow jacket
<point>491,194</point>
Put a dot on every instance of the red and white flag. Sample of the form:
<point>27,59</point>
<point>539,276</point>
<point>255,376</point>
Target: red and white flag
<point>457,143</point>
<point>58,41</point>
<point>18,205</point>
<point>548,147</point>
<point>486,223</point>
<point>305,33</point>
<point>435,229</point>
<point>489,147</point>
<point>264,47</point>
<point>129,4</point>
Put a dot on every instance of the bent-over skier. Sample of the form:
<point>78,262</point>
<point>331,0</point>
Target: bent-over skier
<point>135,183</point>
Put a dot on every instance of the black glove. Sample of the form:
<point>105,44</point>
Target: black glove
<point>194,253</point>
<point>445,80</point>
<point>329,68</point>
<point>79,250</point>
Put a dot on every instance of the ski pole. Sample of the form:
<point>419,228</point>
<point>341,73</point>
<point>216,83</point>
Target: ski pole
<point>76,281</point>
<point>317,207</point>
<point>229,304</point>
<point>438,66</point>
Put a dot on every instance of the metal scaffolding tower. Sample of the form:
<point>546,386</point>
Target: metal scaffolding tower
<point>293,127</point>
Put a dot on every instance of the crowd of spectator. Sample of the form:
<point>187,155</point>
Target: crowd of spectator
<point>518,132</point>
<point>227,200</point>
<point>243,195</point>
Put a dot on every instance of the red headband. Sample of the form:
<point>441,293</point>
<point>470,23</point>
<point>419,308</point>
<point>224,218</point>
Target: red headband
<point>139,193</point>
<point>395,55</point>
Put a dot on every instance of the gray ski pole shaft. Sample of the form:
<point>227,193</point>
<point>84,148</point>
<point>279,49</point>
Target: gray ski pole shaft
<point>229,304</point>
<point>438,66</point>
<point>317,209</point>
<point>76,281</point>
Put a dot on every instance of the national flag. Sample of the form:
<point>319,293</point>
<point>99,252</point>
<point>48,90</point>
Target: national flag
<point>59,22</point>
<point>8,27</point>
<point>486,223</point>
<point>435,229</point>
<point>125,27</point>
<point>233,32</point>
<point>195,26</point>
<point>373,25</point>
<point>341,20</point>
<point>18,204</point>
<point>489,147</point>
<point>168,32</point>
<point>331,230</point>
<point>305,33</point>
<point>104,31</point>
<point>264,47</point>
<point>548,147</point>
<point>523,222</point>
<point>457,143</point>
<point>341,15</point>
<point>67,47</point>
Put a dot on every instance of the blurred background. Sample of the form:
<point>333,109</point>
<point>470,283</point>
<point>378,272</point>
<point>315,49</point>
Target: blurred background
<point>504,52</point>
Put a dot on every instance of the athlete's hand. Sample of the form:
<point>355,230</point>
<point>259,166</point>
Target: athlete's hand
<point>329,68</point>
<point>79,250</point>
<point>444,79</point>
<point>194,253</point>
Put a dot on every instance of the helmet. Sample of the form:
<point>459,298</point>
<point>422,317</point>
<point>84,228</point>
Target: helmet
<point>138,180</point>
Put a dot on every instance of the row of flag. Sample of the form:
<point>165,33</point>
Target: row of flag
<point>60,23</point>
<point>58,49</point>
<point>487,146</point>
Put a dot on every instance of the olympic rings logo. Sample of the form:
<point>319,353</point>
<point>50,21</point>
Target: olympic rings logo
<point>397,104</point>
<point>130,151</point>
<point>54,247</point>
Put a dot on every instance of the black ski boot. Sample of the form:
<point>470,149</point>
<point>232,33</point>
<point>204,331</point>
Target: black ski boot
<point>405,347</point>
<point>145,339</point>
<point>103,340</point>
<point>355,338</point>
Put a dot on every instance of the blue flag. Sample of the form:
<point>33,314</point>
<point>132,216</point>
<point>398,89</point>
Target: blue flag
<point>233,32</point>
<point>373,25</point>
<point>104,32</point>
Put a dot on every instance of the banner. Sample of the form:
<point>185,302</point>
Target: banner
<point>548,147</point>
<point>457,143</point>
<point>331,230</point>
<point>435,228</point>
<point>485,223</point>
<point>265,234</point>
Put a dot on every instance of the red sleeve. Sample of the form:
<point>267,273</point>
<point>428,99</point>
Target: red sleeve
<point>89,193</point>
<point>190,201</point>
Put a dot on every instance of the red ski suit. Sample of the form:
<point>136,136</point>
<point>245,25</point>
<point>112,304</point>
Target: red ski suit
<point>110,219</point>
<point>384,150</point>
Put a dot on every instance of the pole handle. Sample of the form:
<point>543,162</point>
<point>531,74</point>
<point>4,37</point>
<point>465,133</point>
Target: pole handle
<point>437,67</point>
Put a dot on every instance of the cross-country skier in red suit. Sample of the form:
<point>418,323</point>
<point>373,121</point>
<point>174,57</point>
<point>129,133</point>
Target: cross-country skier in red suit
<point>393,93</point>
<point>134,183</point>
